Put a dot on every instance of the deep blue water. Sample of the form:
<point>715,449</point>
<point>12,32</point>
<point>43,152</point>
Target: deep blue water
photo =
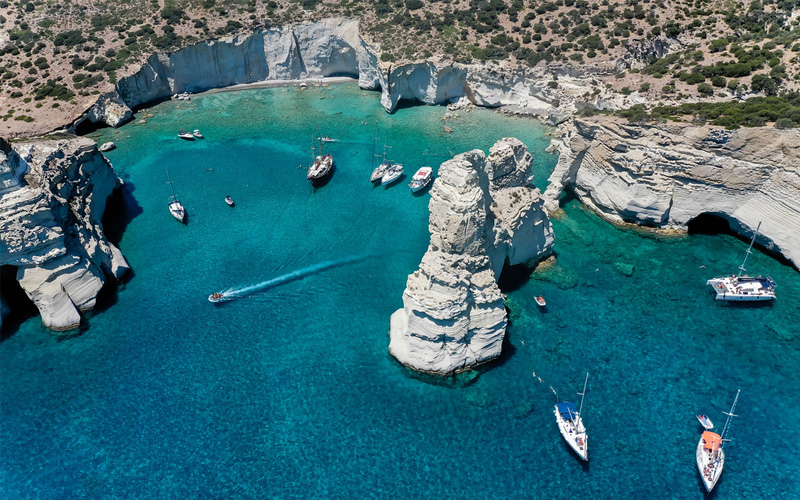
<point>291,392</point>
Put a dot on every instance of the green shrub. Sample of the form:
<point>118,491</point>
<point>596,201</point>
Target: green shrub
<point>785,123</point>
<point>705,89</point>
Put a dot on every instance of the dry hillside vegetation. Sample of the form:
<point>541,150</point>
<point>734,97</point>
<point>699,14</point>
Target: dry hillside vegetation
<point>57,56</point>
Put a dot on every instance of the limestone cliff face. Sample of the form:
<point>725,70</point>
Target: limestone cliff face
<point>483,213</point>
<point>52,198</point>
<point>333,47</point>
<point>664,176</point>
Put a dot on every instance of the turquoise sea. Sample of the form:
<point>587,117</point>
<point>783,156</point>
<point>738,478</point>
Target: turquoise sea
<point>290,392</point>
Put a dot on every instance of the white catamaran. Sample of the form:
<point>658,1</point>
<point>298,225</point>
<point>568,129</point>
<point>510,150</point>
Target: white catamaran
<point>710,454</point>
<point>571,425</point>
<point>744,288</point>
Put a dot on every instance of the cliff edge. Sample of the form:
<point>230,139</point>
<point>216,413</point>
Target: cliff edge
<point>483,214</point>
<point>53,195</point>
<point>664,176</point>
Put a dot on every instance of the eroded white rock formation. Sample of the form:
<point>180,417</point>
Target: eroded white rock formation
<point>52,198</point>
<point>664,176</point>
<point>483,214</point>
<point>333,47</point>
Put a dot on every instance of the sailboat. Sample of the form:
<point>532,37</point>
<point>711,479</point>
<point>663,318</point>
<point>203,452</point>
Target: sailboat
<point>710,453</point>
<point>378,171</point>
<point>744,288</point>
<point>175,207</point>
<point>571,425</point>
<point>320,165</point>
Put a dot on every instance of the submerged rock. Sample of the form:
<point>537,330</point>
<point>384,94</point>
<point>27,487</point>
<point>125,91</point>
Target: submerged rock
<point>483,214</point>
<point>623,268</point>
<point>52,199</point>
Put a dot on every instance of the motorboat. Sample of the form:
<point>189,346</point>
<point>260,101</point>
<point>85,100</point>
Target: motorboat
<point>393,172</point>
<point>327,139</point>
<point>185,135</point>
<point>744,288</point>
<point>197,133</point>
<point>421,178</point>
<point>570,425</point>
<point>175,207</point>
<point>705,421</point>
<point>217,297</point>
<point>540,301</point>
<point>710,454</point>
<point>229,201</point>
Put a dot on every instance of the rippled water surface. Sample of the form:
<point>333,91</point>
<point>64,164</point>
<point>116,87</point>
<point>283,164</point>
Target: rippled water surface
<point>290,392</point>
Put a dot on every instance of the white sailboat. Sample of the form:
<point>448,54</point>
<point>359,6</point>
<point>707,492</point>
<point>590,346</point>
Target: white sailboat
<point>744,288</point>
<point>320,165</point>
<point>175,207</point>
<point>710,454</point>
<point>378,171</point>
<point>570,424</point>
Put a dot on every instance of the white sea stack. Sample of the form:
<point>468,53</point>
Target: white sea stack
<point>52,198</point>
<point>483,214</point>
<point>666,175</point>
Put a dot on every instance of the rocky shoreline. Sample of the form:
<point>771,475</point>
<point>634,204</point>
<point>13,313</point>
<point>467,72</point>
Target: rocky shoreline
<point>664,176</point>
<point>53,194</point>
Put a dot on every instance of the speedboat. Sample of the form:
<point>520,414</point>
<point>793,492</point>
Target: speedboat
<point>540,301</point>
<point>217,297</point>
<point>571,425</point>
<point>393,172</point>
<point>705,421</point>
<point>710,454</point>
<point>744,288</point>
<point>197,134</point>
<point>421,178</point>
<point>229,201</point>
<point>327,139</point>
<point>185,135</point>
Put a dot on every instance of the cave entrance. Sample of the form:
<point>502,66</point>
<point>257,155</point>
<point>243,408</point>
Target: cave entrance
<point>21,308</point>
<point>707,223</point>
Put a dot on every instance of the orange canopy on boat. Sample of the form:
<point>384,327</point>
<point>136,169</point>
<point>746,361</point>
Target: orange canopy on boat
<point>711,440</point>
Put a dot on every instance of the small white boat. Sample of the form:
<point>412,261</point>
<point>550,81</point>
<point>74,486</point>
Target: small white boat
<point>570,424</point>
<point>327,139</point>
<point>393,172</point>
<point>197,133</point>
<point>229,201</point>
<point>710,454</point>
<point>705,421</point>
<point>185,135</point>
<point>744,288</point>
<point>421,178</point>
<point>175,207</point>
<point>217,297</point>
<point>540,301</point>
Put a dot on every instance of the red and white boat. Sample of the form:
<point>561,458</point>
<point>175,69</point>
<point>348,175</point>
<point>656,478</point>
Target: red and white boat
<point>540,301</point>
<point>422,178</point>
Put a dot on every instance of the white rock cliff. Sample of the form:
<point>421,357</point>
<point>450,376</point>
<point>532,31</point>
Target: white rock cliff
<point>52,199</point>
<point>664,176</point>
<point>483,214</point>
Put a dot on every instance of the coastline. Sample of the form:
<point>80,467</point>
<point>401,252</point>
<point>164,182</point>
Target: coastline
<point>269,84</point>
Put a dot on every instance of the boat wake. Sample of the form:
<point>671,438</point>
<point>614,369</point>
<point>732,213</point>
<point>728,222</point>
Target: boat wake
<point>237,293</point>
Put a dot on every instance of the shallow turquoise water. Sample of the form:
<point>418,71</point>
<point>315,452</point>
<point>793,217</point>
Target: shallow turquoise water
<point>291,392</point>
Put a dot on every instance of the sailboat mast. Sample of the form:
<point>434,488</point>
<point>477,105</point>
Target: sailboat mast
<point>585,382</point>
<point>729,414</point>
<point>374,147</point>
<point>741,268</point>
<point>385,145</point>
<point>169,181</point>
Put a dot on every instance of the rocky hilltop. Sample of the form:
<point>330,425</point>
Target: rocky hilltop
<point>483,214</point>
<point>53,195</point>
<point>664,176</point>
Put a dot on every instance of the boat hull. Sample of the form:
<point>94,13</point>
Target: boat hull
<point>178,212</point>
<point>709,465</point>
<point>574,433</point>
<point>743,289</point>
